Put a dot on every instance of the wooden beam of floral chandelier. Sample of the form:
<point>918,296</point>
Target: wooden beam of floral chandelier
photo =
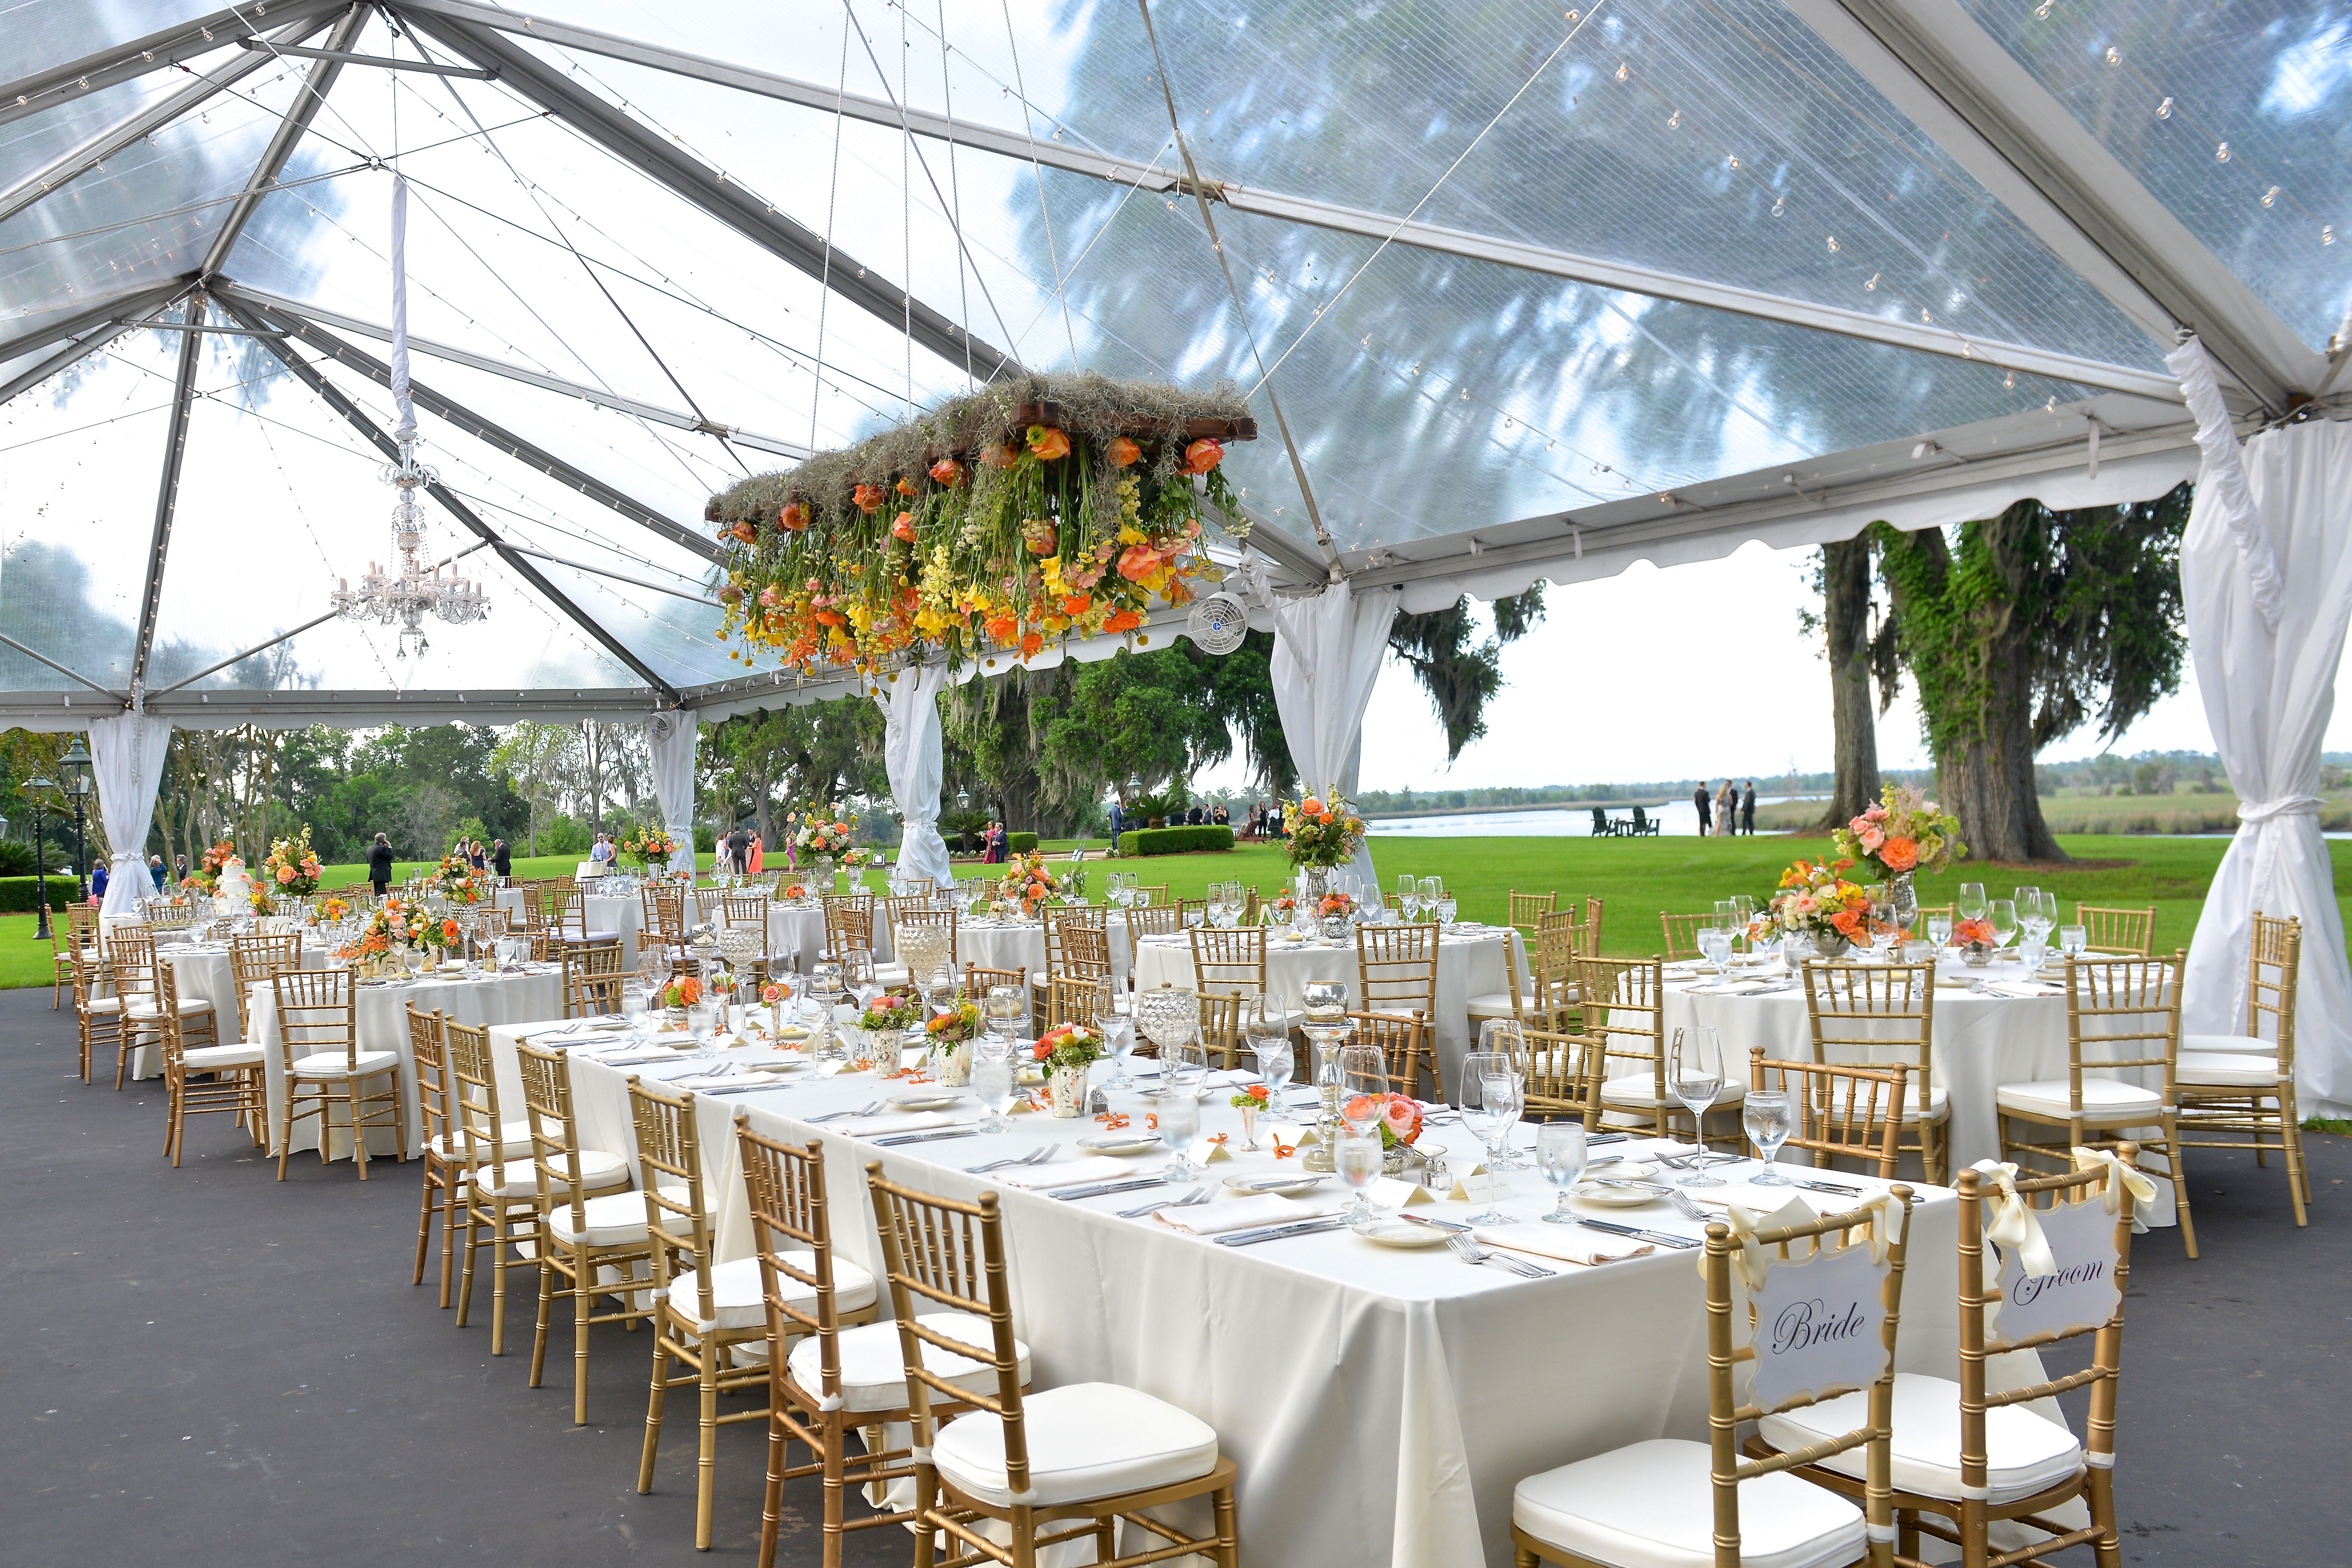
<point>1036,511</point>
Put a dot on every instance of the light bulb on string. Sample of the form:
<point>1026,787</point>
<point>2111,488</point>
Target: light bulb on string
<point>2164,109</point>
<point>1674,121</point>
<point>1780,206</point>
<point>2114,58</point>
<point>2010,380</point>
<point>2221,152</point>
<point>1872,286</point>
<point>1622,71</point>
<point>1834,245</point>
<point>2270,197</point>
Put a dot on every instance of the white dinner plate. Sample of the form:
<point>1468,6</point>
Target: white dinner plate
<point>1614,1197</point>
<point>1120,1142</point>
<point>1402,1233</point>
<point>926,1099</point>
<point>1305,1184</point>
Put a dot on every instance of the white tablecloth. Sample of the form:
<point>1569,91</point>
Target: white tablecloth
<point>624,916</point>
<point>1467,966</point>
<point>1381,1405</point>
<point>797,932</point>
<point>383,1020</point>
<point>1021,945</point>
<point>204,973</point>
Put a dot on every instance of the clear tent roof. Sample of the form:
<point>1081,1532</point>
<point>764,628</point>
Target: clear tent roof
<point>1655,252</point>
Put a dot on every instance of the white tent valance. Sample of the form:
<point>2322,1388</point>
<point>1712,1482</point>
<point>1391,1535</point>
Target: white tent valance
<point>672,737</point>
<point>126,755</point>
<point>911,755</point>
<point>1327,651</point>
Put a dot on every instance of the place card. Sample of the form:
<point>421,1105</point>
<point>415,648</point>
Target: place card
<point>1479,1185</point>
<point>1294,1134</point>
<point>1206,1151</point>
<point>1396,1193</point>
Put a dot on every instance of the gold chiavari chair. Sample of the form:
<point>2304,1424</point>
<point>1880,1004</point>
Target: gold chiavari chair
<point>61,951</point>
<point>97,1016</point>
<point>593,978</point>
<point>130,949</point>
<point>1229,962</point>
<point>1682,933</point>
<point>442,1164</point>
<point>1624,1008</point>
<point>2120,932</point>
<point>1071,999</point>
<point>1671,1500</point>
<point>848,925</point>
<point>568,918</point>
<point>254,959</point>
<point>1396,969</point>
<point>191,1048</point>
<point>1969,1458</point>
<point>662,916</point>
<point>979,978</point>
<point>588,1248</point>
<point>1526,907</point>
<point>1220,1028</point>
<point>897,906</point>
<point>1086,952</point>
<point>1872,1014</point>
<point>2249,1092</point>
<point>1160,919</point>
<point>1404,1044</point>
<point>318,1033</point>
<point>841,1372</point>
<point>1563,1076</point>
<point>1548,1000</point>
<point>1026,1462</point>
<point>2123,1027</point>
<point>1153,897</point>
<point>1837,1109</point>
<point>707,1313</point>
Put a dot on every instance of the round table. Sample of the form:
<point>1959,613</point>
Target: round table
<point>1470,962</point>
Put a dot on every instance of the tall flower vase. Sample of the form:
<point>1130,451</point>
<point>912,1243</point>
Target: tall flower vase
<point>1066,1090</point>
<point>1906,901</point>
<point>1318,883</point>
<point>820,874</point>
<point>952,1066</point>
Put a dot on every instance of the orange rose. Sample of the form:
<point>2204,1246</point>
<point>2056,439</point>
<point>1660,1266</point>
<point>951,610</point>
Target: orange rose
<point>947,471</point>
<point>1124,621</point>
<point>1204,455</point>
<point>997,457</point>
<point>1123,451</point>
<point>1899,853</point>
<point>743,533</point>
<point>905,487</point>
<point>1310,807</point>
<point>1077,605</point>
<point>1849,922</point>
<point>867,499</point>
<point>1048,443</point>
<point>903,527</point>
<point>794,518</point>
<point>1137,562</point>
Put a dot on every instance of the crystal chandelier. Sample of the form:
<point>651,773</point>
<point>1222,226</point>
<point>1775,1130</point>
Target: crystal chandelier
<point>406,598</point>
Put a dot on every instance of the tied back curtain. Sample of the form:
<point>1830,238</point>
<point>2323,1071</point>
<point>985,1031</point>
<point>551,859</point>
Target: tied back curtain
<point>672,737</point>
<point>126,753</point>
<point>1327,651</point>
<point>2266,575</point>
<point>911,755</point>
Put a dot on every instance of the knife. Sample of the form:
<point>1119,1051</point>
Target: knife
<point>739,1088</point>
<point>1276,1233</point>
<point>1830,1187</point>
<point>925,1137</point>
<point>1104,1189</point>
<point>1659,1237</point>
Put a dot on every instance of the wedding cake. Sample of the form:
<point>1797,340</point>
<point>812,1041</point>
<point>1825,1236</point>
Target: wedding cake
<point>235,890</point>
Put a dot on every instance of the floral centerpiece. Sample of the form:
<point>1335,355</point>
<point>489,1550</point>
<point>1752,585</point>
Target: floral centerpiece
<point>1977,941</point>
<point>1064,1054</point>
<point>397,926</point>
<point>773,994</point>
<point>1026,885</point>
<point>1321,836</point>
<point>1397,1117</point>
<point>459,882</point>
<point>646,847</point>
<point>331,910</point>
<point>1250,1101</point>
<point>899,1011</point>
<point>258,898</point>
<point>820,829</point>
<point>678,993</point>
<point>948,1037</point>
<point>793,892</point>
<point>1815,902</point>
<point>1905,833</point>
<point>1039,509</point>
<point>207,878</point>
<point>292,866</point>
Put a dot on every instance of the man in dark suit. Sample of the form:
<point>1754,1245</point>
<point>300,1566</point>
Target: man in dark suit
<point>1705,808</point>
<point>1748,807</point>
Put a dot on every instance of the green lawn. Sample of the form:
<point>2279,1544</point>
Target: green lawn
<point>1637,876</point>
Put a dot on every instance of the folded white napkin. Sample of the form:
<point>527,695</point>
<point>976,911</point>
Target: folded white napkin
<point>1064,1173</point>
<point>905,1121</point>
<point>1565,1242</point>
<point>1247,1214</point>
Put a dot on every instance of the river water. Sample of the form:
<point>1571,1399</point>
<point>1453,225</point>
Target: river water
<point>1678,818</point>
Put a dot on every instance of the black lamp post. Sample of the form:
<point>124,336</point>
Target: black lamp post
<point>964,810</point>
<point>33,790</point>
<point>75,768</point>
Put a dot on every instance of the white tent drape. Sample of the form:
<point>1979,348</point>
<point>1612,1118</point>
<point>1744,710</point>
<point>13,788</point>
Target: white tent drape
<point>910,752</point>
<point>672,738</point>
<point>2266,573</point>
<point>1328,650</point>
<point>126,753</point>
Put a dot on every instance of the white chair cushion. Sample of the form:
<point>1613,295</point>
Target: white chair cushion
<point>614,1220</point>
<point>1496,1004</point>
<point>2024,1454</point>
<point>219,1059</point>
<point>735,1290</point>
<point>146,1007</point>
<point>874,1366</point>
<point>514,1138</point>
<point>332,1064</point>
<point>1634,1090</point>
<point>2227,1068</point>
<point>2234,1044</point>
<point>1086,1440</point>
<point>103,1005</point>
<point>2106,1100</point>
<point>597,1169</point>
<point>1652,1505</point>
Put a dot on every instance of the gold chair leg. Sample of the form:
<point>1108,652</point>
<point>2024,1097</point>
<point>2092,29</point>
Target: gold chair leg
<point>286,1127</point>
<point>1229,1536</point>
<point>706,1453</point>
<point>359,1126</point>
<point>499,1245</point>
<point>2175,1158</point>
<point>424,1223</point>
<point>448,1228</point>
<point>654,1403</point>
<point>581,1302</point>
<point>547,1276</point>
<point>772,1496</point>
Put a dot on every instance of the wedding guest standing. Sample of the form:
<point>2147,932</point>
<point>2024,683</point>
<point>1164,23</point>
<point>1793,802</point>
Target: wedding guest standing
<point>1706,814</point>
<point>379,865</point>
<point>1726,809</point>
<point>1748,807</point>
<point>98,883</point>
<point>155,870</point>
<point>501,860</point>
<point>759,855</point>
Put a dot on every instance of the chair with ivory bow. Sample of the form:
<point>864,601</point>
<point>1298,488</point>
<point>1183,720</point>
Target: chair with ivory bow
<point>2242,1087</point>
<point>832,1369</point>
<point>1085,1457</point>
<point>2123,1029</point>
<point>1670,1500</point>
<point>1965,1457</point>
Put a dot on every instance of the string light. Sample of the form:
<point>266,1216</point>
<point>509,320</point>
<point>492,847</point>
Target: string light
<point>2164,109</point>
<point>2221,152</point>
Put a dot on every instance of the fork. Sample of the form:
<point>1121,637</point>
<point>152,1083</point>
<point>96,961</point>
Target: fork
<point>1459,1243</point>
<point>838,1115</point>
<point>1037,1156</point>
<point>1687,1206</point>
<point>1198,1195</point>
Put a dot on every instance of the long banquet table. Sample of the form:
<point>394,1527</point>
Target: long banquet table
<point>1381,1405</point>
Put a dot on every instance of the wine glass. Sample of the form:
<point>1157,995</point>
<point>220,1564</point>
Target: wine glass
<point>1358,1158</point>
<point>1507,1038</point>
<point>991,1080</point>
<point>1970,902</point>
<point>1693,1075</point>
<point>1764,1115</point>
<point>1490,1108</point>
<point>1268,1034</point>
<point>1885,931</point>
<point>1005,1010</point>
<point>1714,946</point>
<point>1363,1087</point>
<point>1560,1154</point>
<point>1726,916</point>
<point>2003,913</point>
<point>1446,908</point>
<point>1185,1065</point>
<point>1178,1109</point>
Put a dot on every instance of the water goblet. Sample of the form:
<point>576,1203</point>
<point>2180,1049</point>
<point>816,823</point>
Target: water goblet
<point>2003,913</point>
<point>1764,1115</point>
<point>1358,1158</point>
<point>1178,1109</point>
<point>1939,929</point>
<point>2073,940</point>
<point>991,1080</point>
<point>1970,902</point>
<point>1714,946</point>
<point>1005,1009</point>
<point>1560,1154</point>
<point>1694,1076</point>
<point>1490,1108</point>
<point>1446,908</point>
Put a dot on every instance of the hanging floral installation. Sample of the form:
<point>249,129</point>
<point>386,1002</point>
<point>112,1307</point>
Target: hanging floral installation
<point>1049,507</point>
